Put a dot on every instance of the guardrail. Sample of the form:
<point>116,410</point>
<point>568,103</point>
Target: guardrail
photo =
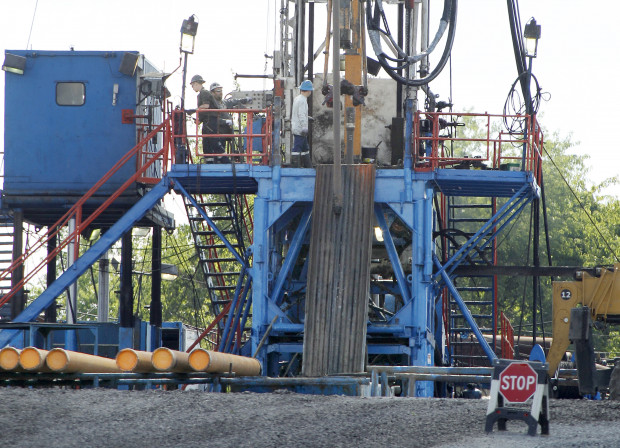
<point>242,136</point>
<point>436,143</point>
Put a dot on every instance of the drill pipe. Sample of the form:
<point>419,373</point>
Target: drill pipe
<point>9,359</point>
<point>66,361</point>
<point>32,359</point>
<point>167,360</point>
<point>208,361</point>
<point>129,360</point>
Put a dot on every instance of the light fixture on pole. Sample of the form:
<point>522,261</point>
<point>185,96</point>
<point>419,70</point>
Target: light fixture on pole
<point>14,64</point>
<point>531,35</point>
<point>169,271</point>
<point>188,34</point>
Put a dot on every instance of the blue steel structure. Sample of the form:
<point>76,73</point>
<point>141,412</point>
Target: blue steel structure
<point>64,128</point>
<point>408,330</point>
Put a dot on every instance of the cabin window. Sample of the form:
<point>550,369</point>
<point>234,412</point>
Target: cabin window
<point>70,93</point>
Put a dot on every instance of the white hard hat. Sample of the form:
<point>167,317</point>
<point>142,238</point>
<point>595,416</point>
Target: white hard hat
<point>214,86</point>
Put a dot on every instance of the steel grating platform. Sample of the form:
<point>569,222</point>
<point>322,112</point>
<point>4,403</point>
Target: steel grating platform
<point>483,183</point>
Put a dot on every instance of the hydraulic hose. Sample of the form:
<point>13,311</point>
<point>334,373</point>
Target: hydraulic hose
<point>448,19</point>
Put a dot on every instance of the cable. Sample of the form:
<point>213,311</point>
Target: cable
<point>32,23</point>
<point>196,301</point>
<point>448,19</point>
<point>613,253</point>
<point>515,106</point>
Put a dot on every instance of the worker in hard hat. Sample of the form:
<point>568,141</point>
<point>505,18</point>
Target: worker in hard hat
<point>300,153</point>
<point>209,120</point>
<point>224,120</point>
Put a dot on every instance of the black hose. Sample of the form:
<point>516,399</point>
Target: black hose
<point>517,43</point>
<point>450,10</point>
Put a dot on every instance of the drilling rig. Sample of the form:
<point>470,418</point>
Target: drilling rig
<point>354,262</point>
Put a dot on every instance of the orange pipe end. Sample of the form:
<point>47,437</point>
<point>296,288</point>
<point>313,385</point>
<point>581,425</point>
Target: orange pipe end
<point>9,358</point>
<point>130,360</point>
<point>166,360</point>
<point>33,359</point>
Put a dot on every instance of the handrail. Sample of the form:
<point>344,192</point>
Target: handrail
<point>507,338</point>
<point>76,211</point>
<point>246,116</point>
<point>428,148</point>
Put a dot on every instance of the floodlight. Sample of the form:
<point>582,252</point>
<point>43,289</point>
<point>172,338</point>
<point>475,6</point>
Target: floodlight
<point>531,35</point>
<point>188,34</point>
<point>14,64</point>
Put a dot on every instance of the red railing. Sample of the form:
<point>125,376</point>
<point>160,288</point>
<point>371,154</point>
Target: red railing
<point>507,338</point>
<point>433,149</point>
<point>75,212</point>
<point>242,140</point>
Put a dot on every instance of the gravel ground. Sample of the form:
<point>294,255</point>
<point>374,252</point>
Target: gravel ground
<point>112,418</point>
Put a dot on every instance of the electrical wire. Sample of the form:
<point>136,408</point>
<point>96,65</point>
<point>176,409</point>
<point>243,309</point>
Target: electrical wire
<point>32,23</point>
<point>613,253</point>
<point>196,300</point>
<point>516,108</point>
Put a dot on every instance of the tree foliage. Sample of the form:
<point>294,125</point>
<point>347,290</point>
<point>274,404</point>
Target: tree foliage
<point>583,230</point>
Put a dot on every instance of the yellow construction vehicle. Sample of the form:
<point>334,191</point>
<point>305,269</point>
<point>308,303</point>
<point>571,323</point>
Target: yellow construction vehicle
<point>591,298</point>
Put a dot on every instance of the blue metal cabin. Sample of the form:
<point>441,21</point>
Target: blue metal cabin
<point>64,128</point>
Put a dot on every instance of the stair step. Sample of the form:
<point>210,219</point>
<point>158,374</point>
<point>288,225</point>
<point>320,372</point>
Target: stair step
<point>477,302</point>
<point>212,218</point>
<point>474,288</point>
<point>220,274</point>
<point>213,204</point>
<point>212,233</point>
<point>222,288</point>
<point>220,302</point>
<point>471,206</point>
<point>453,220</point>
<point>468,330</point>
<point>475,316</point>
<point>217,246</point>
<point>219,260</point>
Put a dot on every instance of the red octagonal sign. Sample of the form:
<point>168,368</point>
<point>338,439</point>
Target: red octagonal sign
<point>517,382</point>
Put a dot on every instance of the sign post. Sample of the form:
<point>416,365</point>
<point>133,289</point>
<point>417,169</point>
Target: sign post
<point>516,382</point>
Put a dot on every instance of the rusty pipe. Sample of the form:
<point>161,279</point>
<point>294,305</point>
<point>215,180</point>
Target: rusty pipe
<point>9,359</point>
<point>67,361</point>
<point>129,360</point>
<point>166,360</point>
<point>32,359</point>
<point>209,361</point>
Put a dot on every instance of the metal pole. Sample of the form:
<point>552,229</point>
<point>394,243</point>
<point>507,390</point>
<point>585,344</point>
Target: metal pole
<point>399,86</point>
<point>103,305</point>
<point>156,317</point>
<point>337,207</point>
<point>125,311</point>
<point>184,80</point>
<point>72,291</point>
<point>528,111</point>
<point>17,302</point>
<point>536,278</point>
<point>310,65</point>
<point>50,311</point>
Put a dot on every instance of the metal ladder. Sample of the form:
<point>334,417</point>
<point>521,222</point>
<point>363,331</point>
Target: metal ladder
<point>6,259</point>
<point>221,269</point>
<point>477,291</point>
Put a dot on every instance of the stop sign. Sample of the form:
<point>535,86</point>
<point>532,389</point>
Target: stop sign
<point>517,382</point>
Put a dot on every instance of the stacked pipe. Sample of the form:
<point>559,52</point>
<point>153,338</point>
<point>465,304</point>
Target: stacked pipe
<point>32,359</point>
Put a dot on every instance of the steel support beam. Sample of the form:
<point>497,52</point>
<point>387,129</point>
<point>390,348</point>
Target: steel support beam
<point>148,201</point>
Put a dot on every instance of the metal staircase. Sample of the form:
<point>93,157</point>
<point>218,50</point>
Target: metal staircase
<point>6,259</point>
<point>221,243</point>
<point>463,218</point>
